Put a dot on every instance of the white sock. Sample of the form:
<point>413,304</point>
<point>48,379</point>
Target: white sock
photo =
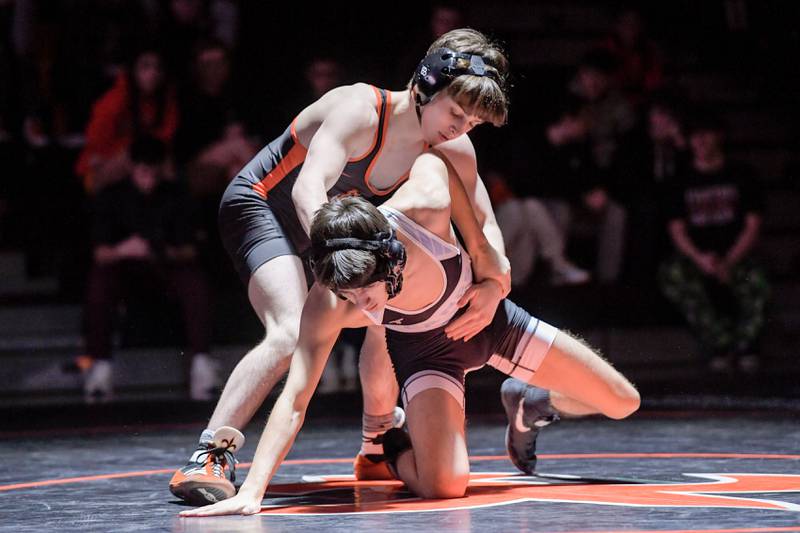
<point>371,427</point>
<point>206,436</point>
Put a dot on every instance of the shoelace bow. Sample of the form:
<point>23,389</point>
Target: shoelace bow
<point>219,454</point>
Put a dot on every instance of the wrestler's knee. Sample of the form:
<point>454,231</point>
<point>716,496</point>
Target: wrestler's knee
<point>278,345</point>
<point>439,485</point>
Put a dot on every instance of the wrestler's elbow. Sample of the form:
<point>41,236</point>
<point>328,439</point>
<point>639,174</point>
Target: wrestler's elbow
<point>627,402</point>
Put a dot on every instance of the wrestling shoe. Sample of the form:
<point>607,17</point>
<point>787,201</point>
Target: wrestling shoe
<point>395,442</point>
<point>528,410</point>
<point>211,471</point>
<point>373,466</point>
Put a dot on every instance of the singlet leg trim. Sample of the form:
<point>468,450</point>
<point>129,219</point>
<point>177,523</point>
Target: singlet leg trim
<point>529,352</point>
<point>432,379</point>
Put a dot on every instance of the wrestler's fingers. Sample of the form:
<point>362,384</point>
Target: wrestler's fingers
<point>467,296</point>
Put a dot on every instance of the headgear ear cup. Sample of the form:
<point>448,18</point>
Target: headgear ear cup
<point>438,69</point>
<point>387,247</point>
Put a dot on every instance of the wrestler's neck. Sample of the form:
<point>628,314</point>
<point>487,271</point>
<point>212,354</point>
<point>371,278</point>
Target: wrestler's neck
<point>422,282</point>
<point>404,113</point>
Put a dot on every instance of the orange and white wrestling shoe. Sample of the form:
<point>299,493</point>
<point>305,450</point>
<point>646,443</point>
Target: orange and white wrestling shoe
<point>211,471</point>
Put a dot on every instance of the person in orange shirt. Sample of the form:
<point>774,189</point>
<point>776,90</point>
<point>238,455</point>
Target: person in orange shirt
<point>141,102</point>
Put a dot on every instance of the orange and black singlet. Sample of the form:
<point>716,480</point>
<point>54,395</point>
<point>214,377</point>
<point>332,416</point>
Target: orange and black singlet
<point>258,219</point>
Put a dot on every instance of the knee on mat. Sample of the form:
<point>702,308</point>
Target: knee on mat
<point>444,485</point>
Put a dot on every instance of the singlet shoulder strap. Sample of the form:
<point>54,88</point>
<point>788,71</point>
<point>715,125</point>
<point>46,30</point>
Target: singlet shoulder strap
<point>382,102</point>
<point>437,247</point>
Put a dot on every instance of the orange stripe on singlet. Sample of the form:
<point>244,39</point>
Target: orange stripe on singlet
<point>293,159</point>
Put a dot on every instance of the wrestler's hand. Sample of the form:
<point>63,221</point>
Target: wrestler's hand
<point>488,264</point>
<point>240,504</point>
<point>483,299</point>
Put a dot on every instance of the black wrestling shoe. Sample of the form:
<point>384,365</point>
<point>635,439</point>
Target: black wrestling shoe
<point>528,410</point>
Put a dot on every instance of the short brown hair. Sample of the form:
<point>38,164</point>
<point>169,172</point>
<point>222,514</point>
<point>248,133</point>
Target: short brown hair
<point>478,95</point>
<point>343,217</point>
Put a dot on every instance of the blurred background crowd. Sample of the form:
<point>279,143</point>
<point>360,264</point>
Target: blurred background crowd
<point>645,183</point>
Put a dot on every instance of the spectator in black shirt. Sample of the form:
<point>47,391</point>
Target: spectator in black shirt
<point>143,240</point>
<point>651,164</point>
<point>714,222</point>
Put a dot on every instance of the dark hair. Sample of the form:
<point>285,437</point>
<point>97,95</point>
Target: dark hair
<point>479,95</point>
<point>135,96</point>
<point>341,217</point>
<point>148,150</point>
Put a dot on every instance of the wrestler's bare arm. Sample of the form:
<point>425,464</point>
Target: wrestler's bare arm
<point>347,127</point>
<point>324,316</point>
<point>426,199</point>
<point>473,215</point>
<point>460,153</point>
<point>425,196</point>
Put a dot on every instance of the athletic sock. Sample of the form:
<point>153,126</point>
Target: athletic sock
<point>371,427</point>
<point>206,437</point>
<point>539,399</point>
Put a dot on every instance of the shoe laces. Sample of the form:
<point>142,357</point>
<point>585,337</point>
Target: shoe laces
<point>220,455</point>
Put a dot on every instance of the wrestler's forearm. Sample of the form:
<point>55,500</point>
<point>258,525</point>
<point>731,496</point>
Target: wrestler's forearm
<point>483,240</point>
<point>464,216</point>
<point>308,196</point>
<point>277,439</point>
<point>494,236</point>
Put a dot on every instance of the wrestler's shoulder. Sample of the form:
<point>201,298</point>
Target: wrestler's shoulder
<point>358,100</point>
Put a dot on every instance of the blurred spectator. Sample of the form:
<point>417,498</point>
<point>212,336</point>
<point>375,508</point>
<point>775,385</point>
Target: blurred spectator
<point>444,16</point>
<point>585,144</point>
<point>715,218</point>
<point>341,371</point>
<point>606,116</point>
<point>639,66</point>
<point>321,74</point>
<point>68,51</point>
<point>188,22</point>
<point>648,168</point>
<point>144,244</point>
<point>530,233</point>
<point>211,144</point>
<point>141,102</point>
